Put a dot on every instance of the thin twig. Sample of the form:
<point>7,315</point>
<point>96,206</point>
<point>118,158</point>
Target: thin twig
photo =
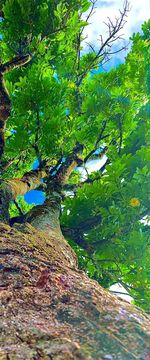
<point>92,10</point>
<point>113,29</point>
<point>18,208</point>
<point>120,135</point>
<point>97,141</point>
<point>36,143</point>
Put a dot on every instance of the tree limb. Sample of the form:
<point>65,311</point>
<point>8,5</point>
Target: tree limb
<point>91,10</point>
<point>121,135</point>
<point>56,167</point>
<point>100,137</point>
<point>2,14</point>
<point>15,63</point>
<point>77,233</point>
<point>68,166</point>
<point>113,30</point>
<point>5,103</point>
<point>18,208</point>
<point>29,181</point>
<point>88,224</point>
<point>36,142</point>
<point>10,189</point>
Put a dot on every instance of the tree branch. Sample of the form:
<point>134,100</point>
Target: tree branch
<point>113,30</point>
<point>91,10</point>
<point>35,146</point>
<point>121,135</point>
<point>100,137</point>
<point>2,14</point>
<point>68,166</point>
<point>56,167</point>
<point>18,208</point>
<point>5,103</point>
<point>88,224</point>
<point>77,233</point>
<point>120,293</point>
<point>29,181</point>
<point>15,63</point>
<point>10,189</point>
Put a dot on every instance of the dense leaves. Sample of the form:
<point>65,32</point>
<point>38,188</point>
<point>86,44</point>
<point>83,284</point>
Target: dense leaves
<point>56,104</point>
<point>120,243</point>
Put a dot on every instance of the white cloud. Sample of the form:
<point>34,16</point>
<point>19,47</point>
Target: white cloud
<point>139,12</point>
<point>121,292</point>
<point>91,165</point>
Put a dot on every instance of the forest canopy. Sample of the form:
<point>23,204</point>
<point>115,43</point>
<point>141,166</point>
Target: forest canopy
<point>63,115</point>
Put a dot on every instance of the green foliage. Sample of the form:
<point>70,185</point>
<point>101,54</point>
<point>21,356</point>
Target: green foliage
<point>50,103</point>
<point>19,206</point>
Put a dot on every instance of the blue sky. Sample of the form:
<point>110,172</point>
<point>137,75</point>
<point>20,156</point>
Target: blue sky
<point>34,197</point>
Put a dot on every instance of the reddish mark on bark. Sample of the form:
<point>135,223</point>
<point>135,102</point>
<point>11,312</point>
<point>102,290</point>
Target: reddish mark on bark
<point>48,226</point>
<point>43,278</point>
<point>24,267</point>
<point>65,281</point>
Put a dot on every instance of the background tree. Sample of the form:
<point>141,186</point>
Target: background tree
<point>55,115</point>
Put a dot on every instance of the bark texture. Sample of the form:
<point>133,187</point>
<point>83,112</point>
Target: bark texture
<point>10,189</point>
<point>29,181</point>
<point>51,310</point>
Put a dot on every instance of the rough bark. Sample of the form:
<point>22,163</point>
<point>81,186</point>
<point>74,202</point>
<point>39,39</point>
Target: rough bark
<point>68,166</point>
<point>10,189</point>
<point>29,181</point>
<point>51,310</point>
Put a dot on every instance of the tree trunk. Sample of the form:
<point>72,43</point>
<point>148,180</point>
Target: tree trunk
<point>52,310</point>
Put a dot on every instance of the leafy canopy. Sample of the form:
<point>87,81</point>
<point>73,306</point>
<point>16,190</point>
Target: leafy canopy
<point>57,101</point>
